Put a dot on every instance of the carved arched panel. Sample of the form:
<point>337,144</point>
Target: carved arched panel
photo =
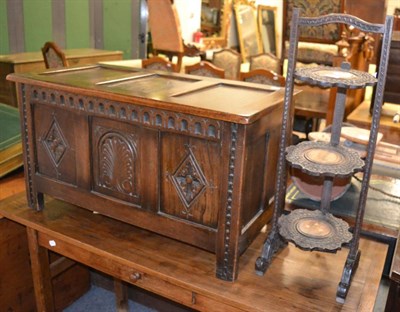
<point>117,160</point>
<point>116,165</point>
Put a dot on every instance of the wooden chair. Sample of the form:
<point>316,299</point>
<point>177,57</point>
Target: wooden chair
<point>323,46</point>
<point>159,63</point>
<point>206,69</point>
<point>53,56</point>
<point>266,61</point>
<point>316,44</point>
<point>230,61</point>
<point>263,76</point>
<point>165,31</point>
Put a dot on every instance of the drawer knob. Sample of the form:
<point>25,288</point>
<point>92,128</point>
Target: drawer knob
<point>135,277</point>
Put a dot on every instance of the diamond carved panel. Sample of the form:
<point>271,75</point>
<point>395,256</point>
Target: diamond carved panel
<point>55,143</point>
<point>189,181</point>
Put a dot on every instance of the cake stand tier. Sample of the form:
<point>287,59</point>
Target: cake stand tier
<point>328,77</point>
<point>324,159</point>
<point>314,230</point>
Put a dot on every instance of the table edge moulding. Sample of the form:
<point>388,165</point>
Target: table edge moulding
<point>142,146</point>
<point>319,229</point>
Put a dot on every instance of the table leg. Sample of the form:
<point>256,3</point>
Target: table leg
<point>121,295</point>
<point>40,273</point>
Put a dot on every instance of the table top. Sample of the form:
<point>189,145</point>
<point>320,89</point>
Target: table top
<point>30,57</point>
<point>220,99</point>
<point>295,280</point>
<point>361,115</point>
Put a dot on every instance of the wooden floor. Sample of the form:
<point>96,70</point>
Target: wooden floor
<point>296,281</point>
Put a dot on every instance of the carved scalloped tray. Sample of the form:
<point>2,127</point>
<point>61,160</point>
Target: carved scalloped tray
<point>314,230</point>
<point>329,77</point>
<point>321,158</point>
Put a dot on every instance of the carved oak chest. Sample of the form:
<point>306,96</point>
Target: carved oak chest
<point>191,158</point>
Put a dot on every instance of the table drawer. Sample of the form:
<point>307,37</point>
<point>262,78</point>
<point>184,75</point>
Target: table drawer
<point>127,270</point>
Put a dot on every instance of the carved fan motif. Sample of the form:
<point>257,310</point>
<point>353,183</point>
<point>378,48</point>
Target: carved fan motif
<point>189,181</point>
<point>117,164</point>
<point>55,143</point>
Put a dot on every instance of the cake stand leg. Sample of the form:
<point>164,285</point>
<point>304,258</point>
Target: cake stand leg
<point>272,244</point>
<point>350,268</point>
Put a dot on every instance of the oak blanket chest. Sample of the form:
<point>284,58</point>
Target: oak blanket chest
<point>188,157</point>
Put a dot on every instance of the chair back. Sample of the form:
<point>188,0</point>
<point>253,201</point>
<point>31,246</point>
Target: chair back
<point>164,26</point>
<point>205,69</point>
<point>159,63</point>
<point>339,105</point>
<point>165,29</point>
<point>263,76</point>
<point>328,33</point>
<point>53,56</point>
<point>316,43</point>
<point>266,61</point>
<point>230,61</point>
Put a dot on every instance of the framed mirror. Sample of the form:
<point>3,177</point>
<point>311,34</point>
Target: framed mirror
<point>215,22</point>
<point>267,26</point>
<point>248,34</point>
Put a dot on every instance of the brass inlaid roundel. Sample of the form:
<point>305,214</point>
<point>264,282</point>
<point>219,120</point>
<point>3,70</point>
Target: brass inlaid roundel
<point>323,156</point>
<point>314,228</point>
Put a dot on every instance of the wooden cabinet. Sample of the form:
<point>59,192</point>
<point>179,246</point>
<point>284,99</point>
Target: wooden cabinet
<point>33,61</point>
<point>16,285</point>
<point>192,158</point>
<point>370,11</point>
<point>392,92</point>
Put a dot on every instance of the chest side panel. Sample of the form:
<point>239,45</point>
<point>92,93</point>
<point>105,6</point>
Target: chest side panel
<point>191,181</point>
<point>55,135</point>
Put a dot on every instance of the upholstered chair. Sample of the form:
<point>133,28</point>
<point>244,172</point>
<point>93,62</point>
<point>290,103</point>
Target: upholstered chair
<point>263,76</point>
<point>230,61</point>
<point>165,29</point>
<point>53,56</point>
<point>206,69</point>
<point>266,61</point>
<point>159,63</point>
<point>316,44</point>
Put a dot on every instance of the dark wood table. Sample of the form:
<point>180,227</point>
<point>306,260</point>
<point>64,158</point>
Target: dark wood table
<point>392,92</point>
<point>362,118</point>
<point>33,61</point>
<point>296,281</point>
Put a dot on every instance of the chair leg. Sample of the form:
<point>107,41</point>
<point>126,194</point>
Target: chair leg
<point>179,62</point>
